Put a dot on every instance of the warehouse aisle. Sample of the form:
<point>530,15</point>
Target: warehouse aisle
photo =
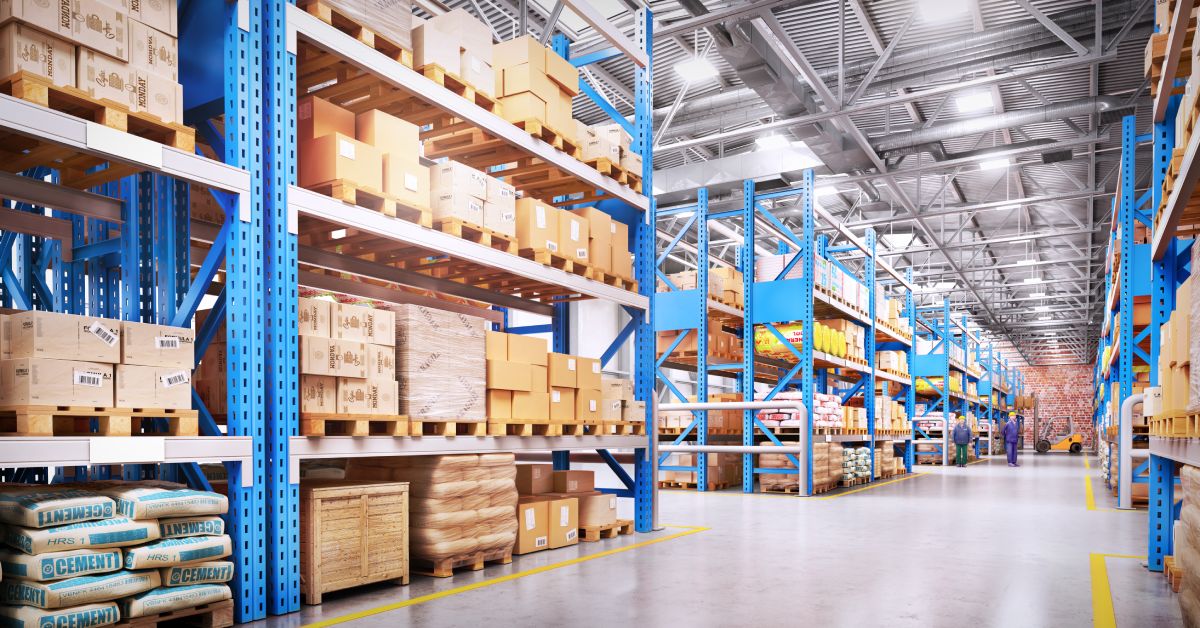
<point>937,549</point>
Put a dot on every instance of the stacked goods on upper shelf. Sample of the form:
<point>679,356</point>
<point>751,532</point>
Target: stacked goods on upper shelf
<point>828,412</point>
<point>925,346</point>
<point>461,506</point>
<point>847,339</point>
<point>890,414</point>
<point>611,143</point>
<point>441,365</point>
<point>607,243</point>
<point>1180,387</point>
<point>1186,539</point>
<point>545,519</point>
<point>135,549</point>
<point>828,278</point>
<point>1156,49</point>
<point>466,194</point>
<point>347,359</point>
<point>890,313</point>
<point>617,402</point>
<point>125,57</point>
<point>931,385</point>
<point>535,84</point>
<point>386,24</point>
<point>722,345</point>
<point>894,362</point>
<point>458,45</point>
<point>836,337</point>
<point>517,378</point>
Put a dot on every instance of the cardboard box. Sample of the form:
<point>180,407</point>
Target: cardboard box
<point>537,225</point>
<point>563,521</point>
<point>103,77</point>
<point>500,218</point>
<point>390,20</point>
<point>587,375</point>
<point>327,356</point>
<point>386,132</point>
<point>620,237</point>
<point>541,377</point>
<point>318,393</point>
<point>315,317</point>
<point>528,349</point>
<point>460,205</point>
<point>597,509</point>
<point>477,73</point>
<point>41,381</point>
<point>471,34</point>
<point>587,405</point>
<point>530,406</point>
<point>317,117</point>
<point>452,176</point>
<point>562,372</point>
<point>600,233</point>
<point>532,527</point>
<point>405,178</point>
<point>159,96</point>
<point>337,157</point>
<point>522,107</point>
<point>152,50</point>
<point>562,405</point>
<point>98,26</point>
<point>496,345</point>
<point>631,162</point>
<point>560,116</point>
<point>505,375</point>
<point>158,345</point>
<point>611,409</point>
<point>622,263</point>
<point>381,363</point>
<point>349,322</point>
<point>500,404</point>
<point>573,237</point>
<point>614,133</point>
<point>563,73</point>
<point>573,481</point>
<point>157,13</point>
<point>25,49</point>
<point>140,386</point>
<point>501,193</point>
<point>634,411</point>
<point>433,48</point>
<point>527,78</point>
<point>616,388</point>
<point>600,148</point>
<point>380,326</point>
<point>533,479</point>
<point>521,50</point>
<point>36,334</point>
<point>360,396</point>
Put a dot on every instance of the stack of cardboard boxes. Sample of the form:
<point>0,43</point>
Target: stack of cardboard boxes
<point>347,359</point>
<point>464,193</point>
<point>722,345</point>
<point>608,243</point>
<point>113,50</point>
<point>373,150</point>
<point>1174,359</point>
<point>587,236</point>
<point>723,470</point>
<point>517,378</point>
<point>546,519</point>
<point>617,402</point>
<point>459,45</point>
<point>68,360</point>
<point>535,83</point>
<point>441,365</point>
<point>895,362</point>
<point>611,142</point>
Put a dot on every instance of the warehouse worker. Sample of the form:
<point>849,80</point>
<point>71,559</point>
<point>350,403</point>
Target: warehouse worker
<point>1012,434</point>
<point>962,437</point>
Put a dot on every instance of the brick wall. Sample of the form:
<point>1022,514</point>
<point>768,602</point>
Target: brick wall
<point>1061,391</point>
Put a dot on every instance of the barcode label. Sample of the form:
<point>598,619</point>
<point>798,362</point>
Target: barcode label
<point>571,534</point>
<point>88,378</point>
<point>170,380</point>
<point>166,342</point>
<point>581,253</point>
<point>540,541</point>
<point>106,335</point>
<point>591,405</point>
<point>552,246</point>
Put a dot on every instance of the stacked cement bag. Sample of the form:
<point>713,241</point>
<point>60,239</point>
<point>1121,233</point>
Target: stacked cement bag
<point>1187,546</point>
<point>458,505</point>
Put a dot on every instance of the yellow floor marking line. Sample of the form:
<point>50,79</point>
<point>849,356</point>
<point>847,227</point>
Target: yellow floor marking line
<point>688,530</point>
<point>1089,495</point>
<point>871,486</point>
<point>1103,615</point>
<point>1087,464</point>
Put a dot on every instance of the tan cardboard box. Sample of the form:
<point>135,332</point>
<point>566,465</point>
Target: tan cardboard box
<point>158,345</point>
<point>5,353</point>
<point>631,162</point>
<point>560,115</point>
<point>386,132</point>
<point>533,531</point>
<point>315,316</point>
<point>573,481</point>
<point>565,75</point>
<point>500,218</point>
<point>528,349</point>
<point>614,133</point>
<point>405,178</point>
<point>380,326</point>
<point>41,381</point>
<point>573,237</point>
<point>318,393</point>
<point>524,78</point>
<point>500,193</point>
<point>496,345</point>
<point>500,404</point>
<point>349,322</point>
<point>562,371</point>
<point>616,388</point>
<point>537,225</point>
<point>588,373</point>
<point>611,409</point>
<point>64,337</point>
<point>152,50</point>
<point>68,19</point>
<point>477,73</point>
<point>381,363</point>
<point>340,157</point>
<point>531,406</point>
<point>622,263</point>
<point>514,52</point>
<point>431,47</point>
<point>505,375</point>
<point>597,509</point>
<point>104,77</point>
<point>452,176</point>
<point>620,237</point>
<point>522,107</point>
<point>359,396</point>
<point>600,236</point>
<point>157,13</point>
<point>533,478</point>
<point>562,405</point>
<point>587,405</point>
<point>472,35</point>
<point>317,117</point>
<point>159,96</point>
<point>540,376</point>
<point>326,356</point>
<point>140,386</point>
<point>25,49</point>
<point>599,148</point>
<point>460,205</point>
<point>634,411</point>
<point>564,521</point>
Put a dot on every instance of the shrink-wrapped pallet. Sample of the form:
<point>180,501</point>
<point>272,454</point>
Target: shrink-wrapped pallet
<point>440,364</point>
<point>390,20</point>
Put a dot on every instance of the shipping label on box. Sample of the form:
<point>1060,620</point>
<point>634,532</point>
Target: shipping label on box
<point>534,478</point>
<point>587,405</point>
<point>381,362</point>
<point>140,386</point>
<point>563,370</point>
<point>598,509</point>
<point>318,393</point>
<point>405,178</point>
<point>452,176</point>
<point>599,148</point>
<point>501,193</point>
<point>315,315</point>
<point>25,49</point>
<point>158,345</point>
<point>152,50</point>
<point>587,374</point>
<point>460,205</point>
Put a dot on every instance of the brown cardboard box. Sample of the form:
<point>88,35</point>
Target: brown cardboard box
<point>152,50</point>
<point>360,396</point>
<point>317,117</point>
<point>471,34</point>
<point>315,316</point>
<point>326,356</point>
<point>524,78</point>
<point>100,27</point>
<point>631,162</point>
<point>500,404</point>
<point>381,363</point>
<point>505,375</point>
<point>531,406</point>
<point>159,96</point>
<point>452,176</point>
<point>380,326</point>
<point>573,237</point>
<point>405,178</point>
<point>622,263</point>
<point>532,527</point>
<point>496,345</point>
<point>104,77</point>
<point>340,157</point>
<point>616,388</point>
<point>559,116</point>
<point>390,20</point>
<point>565,75</point>
<point>477,73</point>
<point>562,370</point>
<point>541,377</point>
<point>528,349</point>
<point>431,47</point>
<point>533,479</point>
<point>386,132</point>
<point>597,509</point>
<point>140,386</point>
<point>588,373</point>
<point>349,322</point>
<point>614,133</point>
<point>563,521</point>
<point>63,337</point>
<point>599,236</point>
<point>157,13</point>
<point>500,218</point>
<point>600,148</point>
<point>501,193</point>
<point>634,411</point>
<point>562,405</point>
<point>514,52</point>
<point>40,381</point>
<point>537,225</point>
<point>620,237</point>
<point>158,345</point>
<point>523,106</point>
<point>27,49</point>
<point>318,393</point>
<point>460,205</point>
<point>587,405</point>
<point>611,409</point>
<point>574,481</point>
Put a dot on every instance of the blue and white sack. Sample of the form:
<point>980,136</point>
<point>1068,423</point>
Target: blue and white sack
<point>59,565</point>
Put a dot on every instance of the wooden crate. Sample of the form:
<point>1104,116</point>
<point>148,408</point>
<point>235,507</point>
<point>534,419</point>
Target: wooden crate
<point>351,533</point>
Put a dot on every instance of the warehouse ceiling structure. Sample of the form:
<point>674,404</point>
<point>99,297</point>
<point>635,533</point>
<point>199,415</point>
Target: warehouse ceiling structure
<point>979,138</point>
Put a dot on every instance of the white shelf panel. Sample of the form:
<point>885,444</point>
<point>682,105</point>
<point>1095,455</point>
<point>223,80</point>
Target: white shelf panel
<point>1182,450</point>
<point>69,451</point>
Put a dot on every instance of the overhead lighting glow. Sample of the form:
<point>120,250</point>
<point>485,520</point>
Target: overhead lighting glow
<point>994,164</point>
<point>1044,318</point>
<point>1026,262</point>
<point>685,214</point>
<point>1008,208</point>
<point>940,10</point>
<point>973,101</point>
<point>826,190</point>
<point>1037,295</point>
<point>771,142</point>
<point>696,69</point>
<point>1041,308</point>
<point>1034,280</point>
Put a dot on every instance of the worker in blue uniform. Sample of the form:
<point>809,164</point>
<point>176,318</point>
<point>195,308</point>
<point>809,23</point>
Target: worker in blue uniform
<point>962,438</point>
<point>1012,433</point>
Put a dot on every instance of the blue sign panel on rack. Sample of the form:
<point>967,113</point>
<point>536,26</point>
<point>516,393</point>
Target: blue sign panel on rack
<point>777,301</point>
<point>676,309</point>
<point>931,365</point>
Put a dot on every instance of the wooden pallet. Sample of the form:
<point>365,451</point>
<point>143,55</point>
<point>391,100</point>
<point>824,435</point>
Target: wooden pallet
<point>480,235</point>
<point>711,485</point>
<point>456,84</point>
<point>552,259</point>
<point>610,279</point>
<point>363,33</point>
<point>351,193</point>
<point>855,482</point>
<point>1183,425</point>
<point>428,427</point>
<point>554,137</point>
<point>29,420</point>
<point>623,428</point>
<point>574,429</point>
<point>475,561</point>
<point>330,424</point>
<point>523,427</point>
<point>592,534</point>
<point>215,615</point>
<point>1173,573</point>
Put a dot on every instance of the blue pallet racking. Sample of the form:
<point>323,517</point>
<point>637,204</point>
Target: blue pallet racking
<point>767,304</point>
<point>239,73</point>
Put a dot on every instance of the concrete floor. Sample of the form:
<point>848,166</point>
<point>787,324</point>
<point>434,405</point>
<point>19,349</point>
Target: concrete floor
<point>983,546</point>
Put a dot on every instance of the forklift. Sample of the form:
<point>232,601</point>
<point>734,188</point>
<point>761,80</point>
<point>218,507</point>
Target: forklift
<point>1071,442</point>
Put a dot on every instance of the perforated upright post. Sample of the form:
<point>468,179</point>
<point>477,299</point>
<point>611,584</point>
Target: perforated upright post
<point>746,257</point>
<point>1125,218</point>
<point>869,389</point>
<point>645,482</point>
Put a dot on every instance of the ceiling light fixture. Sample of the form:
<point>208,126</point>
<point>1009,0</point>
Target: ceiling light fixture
<point>1037,295</point>
<point>973,101</point>
<point>1041,308</point>
<point>994,164</point>
<point>1033,280</point>
<point>940,11</point>
<point>1026,262</point>
<point>771,142</point>
<point>696,69</point>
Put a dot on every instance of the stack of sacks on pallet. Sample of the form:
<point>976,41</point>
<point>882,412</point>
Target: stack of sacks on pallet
<point>459,505</point>
<point>1187,546</point>
<point>827,411</point>
<point>856,463</point>
<point>827,469</point>
<point>143,548</point>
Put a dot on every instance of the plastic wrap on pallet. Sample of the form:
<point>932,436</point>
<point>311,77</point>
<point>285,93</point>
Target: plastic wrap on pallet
<point>389,19</point>
<point>440,364</point>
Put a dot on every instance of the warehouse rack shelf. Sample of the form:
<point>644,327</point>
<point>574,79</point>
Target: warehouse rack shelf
<point>82,451</point>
